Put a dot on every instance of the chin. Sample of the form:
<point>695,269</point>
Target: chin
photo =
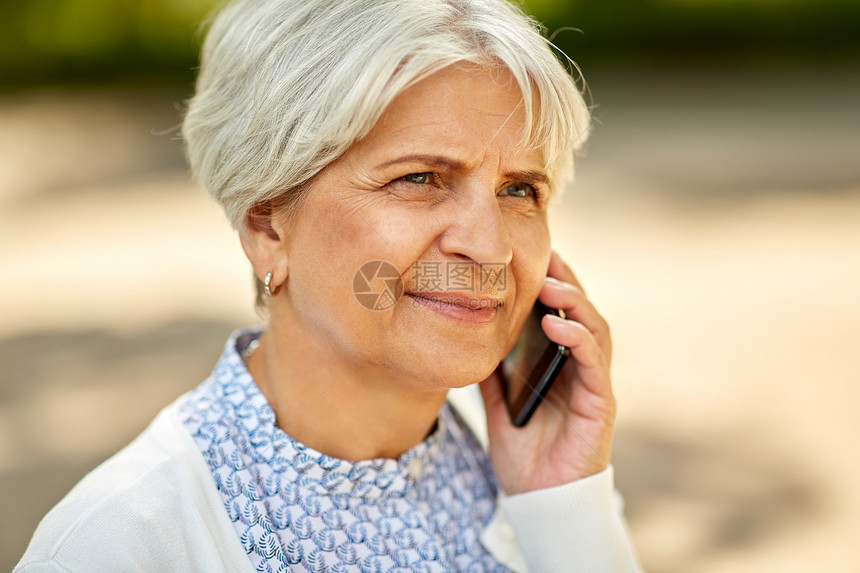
<point>454,367</point>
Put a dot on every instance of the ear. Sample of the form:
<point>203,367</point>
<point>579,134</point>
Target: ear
<point>265,242</point>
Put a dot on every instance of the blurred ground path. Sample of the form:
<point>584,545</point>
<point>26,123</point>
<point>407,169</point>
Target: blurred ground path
<point>715,222</point>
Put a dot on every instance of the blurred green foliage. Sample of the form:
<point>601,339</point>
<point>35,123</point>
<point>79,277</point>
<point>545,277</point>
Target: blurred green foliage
<point>703,31</point>
<point>93,39</point>
<point>74,40</point>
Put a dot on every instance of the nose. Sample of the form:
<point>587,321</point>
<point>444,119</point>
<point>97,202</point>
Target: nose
<point>476,229</point>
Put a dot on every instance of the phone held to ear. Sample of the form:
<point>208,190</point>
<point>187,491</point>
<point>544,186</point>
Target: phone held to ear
<point>531,367</point>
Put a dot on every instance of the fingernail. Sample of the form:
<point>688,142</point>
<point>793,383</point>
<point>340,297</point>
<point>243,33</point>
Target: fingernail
<point>560,284</point>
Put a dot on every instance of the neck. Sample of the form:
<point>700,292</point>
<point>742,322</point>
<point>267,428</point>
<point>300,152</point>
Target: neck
<point>346,410</point>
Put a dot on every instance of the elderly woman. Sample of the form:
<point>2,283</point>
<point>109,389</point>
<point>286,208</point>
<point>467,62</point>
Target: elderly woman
<point>388,167</point>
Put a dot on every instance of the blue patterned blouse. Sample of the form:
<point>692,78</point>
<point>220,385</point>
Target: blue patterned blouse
<point>295,509</point>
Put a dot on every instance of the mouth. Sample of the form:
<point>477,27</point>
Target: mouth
<point>466,307</point>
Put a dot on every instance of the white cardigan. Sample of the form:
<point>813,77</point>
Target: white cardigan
<point>155,507</point>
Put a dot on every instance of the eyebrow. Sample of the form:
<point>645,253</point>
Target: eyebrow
<point>432,160</point>
<point>529,176</point>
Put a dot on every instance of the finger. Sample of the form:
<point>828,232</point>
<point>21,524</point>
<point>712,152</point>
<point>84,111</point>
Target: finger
<point>560,270</point>
<point>592,366</point>
<point>569,298</point>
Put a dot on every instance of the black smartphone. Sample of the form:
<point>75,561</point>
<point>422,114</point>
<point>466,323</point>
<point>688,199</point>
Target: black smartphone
<point>531,367</point>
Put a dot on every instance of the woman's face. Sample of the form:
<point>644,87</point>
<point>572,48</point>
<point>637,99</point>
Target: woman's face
<point>440,191</point>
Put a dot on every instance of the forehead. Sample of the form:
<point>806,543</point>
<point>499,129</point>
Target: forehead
<point>462,109</point>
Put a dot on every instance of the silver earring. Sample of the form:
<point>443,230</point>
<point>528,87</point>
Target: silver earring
<point>268,283</point>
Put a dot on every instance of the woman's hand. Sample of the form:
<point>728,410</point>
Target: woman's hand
<point>569,436</point>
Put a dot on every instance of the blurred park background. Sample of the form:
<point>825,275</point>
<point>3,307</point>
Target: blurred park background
<point>715,221</point>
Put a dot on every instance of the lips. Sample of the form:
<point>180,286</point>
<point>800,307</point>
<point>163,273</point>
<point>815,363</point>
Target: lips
<point>461,308</point>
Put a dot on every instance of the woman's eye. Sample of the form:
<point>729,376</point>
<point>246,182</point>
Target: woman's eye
<point>417,178</point>
<point>518,190</point>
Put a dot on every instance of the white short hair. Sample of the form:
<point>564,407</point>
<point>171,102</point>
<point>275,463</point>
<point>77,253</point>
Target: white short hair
<point>287,86</point>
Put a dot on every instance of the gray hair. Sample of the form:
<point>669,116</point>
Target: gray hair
<point>286,86</point>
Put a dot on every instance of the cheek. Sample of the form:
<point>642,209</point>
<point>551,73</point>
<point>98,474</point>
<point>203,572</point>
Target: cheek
<point>328,248</point>
<point>332,243</point>
<point>531,247</point>
<point>333,239</point>
<point>398,233</point>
